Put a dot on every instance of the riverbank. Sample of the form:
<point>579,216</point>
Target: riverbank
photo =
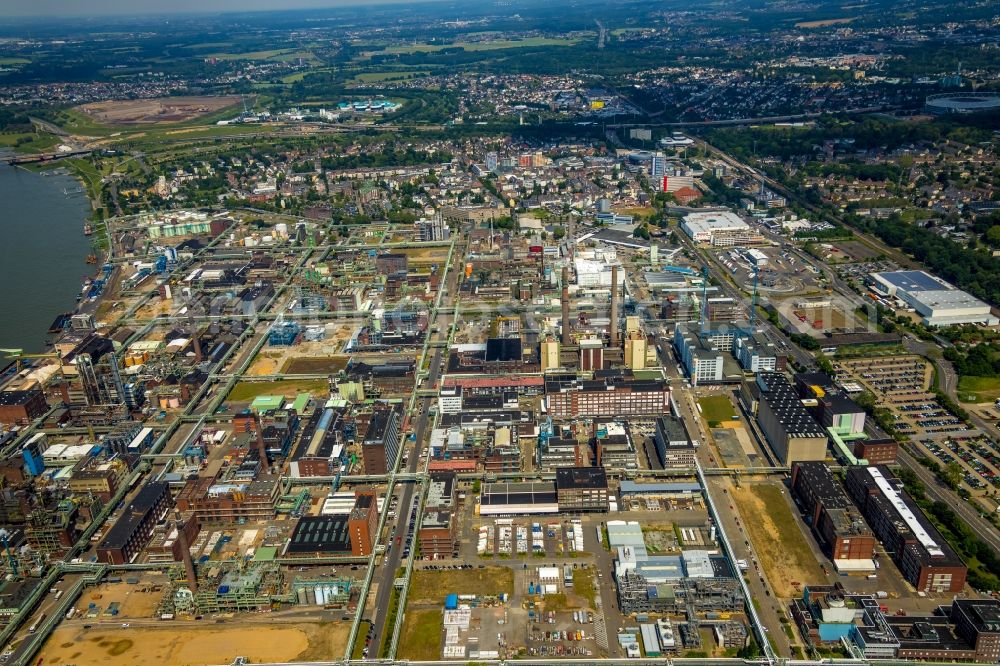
<point>44,252</point>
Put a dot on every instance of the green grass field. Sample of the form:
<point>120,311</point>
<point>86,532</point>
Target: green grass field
<point>359,643</point>
<point>420,639</point>
<point>77,122</point>
<point>207,45</point>
<point>583,585</point>
<point>431,587</point>
<point>717,408</point>
<point>31,142</point>
<point>978,389</point>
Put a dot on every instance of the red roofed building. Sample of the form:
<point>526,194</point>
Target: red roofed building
<point>686,195</point>
<point>457,466</point>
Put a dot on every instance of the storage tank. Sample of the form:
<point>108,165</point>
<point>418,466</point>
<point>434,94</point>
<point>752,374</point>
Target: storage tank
<point>301,596</point>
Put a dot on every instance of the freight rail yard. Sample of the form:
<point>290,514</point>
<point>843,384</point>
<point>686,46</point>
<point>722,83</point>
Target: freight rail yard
<point>275,439</point>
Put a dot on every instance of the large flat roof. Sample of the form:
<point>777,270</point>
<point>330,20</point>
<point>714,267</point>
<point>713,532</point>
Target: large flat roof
<point>912,281</point>
<point>321,534</point>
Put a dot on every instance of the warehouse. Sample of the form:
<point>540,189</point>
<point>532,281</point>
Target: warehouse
<point>518,499</point>
<point>721,228</point>
<point>939,303</point>
<point>316,536</point>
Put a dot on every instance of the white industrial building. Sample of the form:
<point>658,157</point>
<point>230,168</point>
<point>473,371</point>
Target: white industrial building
<point>722,228</point>
<point>701,357</point>
<point>595,273</point>
<point>755,257</point>
<point>936,301</point>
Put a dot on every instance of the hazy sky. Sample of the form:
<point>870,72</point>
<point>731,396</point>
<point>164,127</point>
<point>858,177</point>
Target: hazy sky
<point>58,8</point>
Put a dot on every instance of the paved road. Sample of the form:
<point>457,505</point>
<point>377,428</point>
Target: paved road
<point>938,492</point>
<point>769,608</point>
<point>381,621</point>
<point>727,288</point>
<point>393,560</point>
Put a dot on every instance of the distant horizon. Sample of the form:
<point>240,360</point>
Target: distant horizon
<point>97,9</point>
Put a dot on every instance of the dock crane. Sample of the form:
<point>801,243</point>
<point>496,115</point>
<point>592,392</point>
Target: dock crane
<point>5,540</point>
<point>18,355</point>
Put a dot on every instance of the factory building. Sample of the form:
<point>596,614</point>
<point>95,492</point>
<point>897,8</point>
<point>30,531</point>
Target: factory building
<point>674,448</point>
<point>790,430</point>
<point>126,539</point>
<point>936,301</point>
<point>318,536</point>
<point>582,489</point>
<point>549,354</point>
<point>21,407</point>
<point>380,446</point>
<point>923,556</point>
<point>758,354</point>
<point>609,393</point>
<point>320,450</point>
<point>213,500</point>
<point>436,535</point>
<point>362,523</point>
<point>833,517</point>
<point>855,439</point>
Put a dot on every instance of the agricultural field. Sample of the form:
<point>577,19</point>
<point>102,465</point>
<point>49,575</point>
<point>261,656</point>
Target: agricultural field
<point>156,111</point>
<point>379,77</point>
<point>499,44</point>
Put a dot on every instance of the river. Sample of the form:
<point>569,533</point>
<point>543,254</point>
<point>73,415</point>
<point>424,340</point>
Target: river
<point>42,253</point>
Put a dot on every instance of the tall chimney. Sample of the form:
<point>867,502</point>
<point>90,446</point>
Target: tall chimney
<point>565,306</point>
<point>182,540</point>
<point>614,306</point>
<point>197,344</point>
<point>261,449</point>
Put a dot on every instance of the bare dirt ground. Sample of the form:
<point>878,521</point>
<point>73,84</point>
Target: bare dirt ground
<point>194,644</point>
<point>161,110</point>
<point>136,601</point>
<point>779,543</point>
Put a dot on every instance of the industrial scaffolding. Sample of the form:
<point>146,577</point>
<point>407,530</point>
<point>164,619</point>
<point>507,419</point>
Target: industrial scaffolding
<point>688,596</point>
<point>234,587</point>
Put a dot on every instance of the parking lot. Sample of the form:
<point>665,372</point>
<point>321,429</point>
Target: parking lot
<point>902,384</point>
